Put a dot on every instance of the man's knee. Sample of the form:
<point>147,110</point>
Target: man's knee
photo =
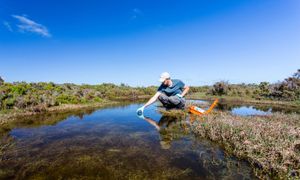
<point>177,102</point>
<point>174,100</point>
<point>163,98</point>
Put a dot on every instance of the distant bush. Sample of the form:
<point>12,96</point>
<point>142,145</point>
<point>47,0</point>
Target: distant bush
<point>288,90</point>
<point>202,89</point>
<point>219,88</point>
<point>264,89</point>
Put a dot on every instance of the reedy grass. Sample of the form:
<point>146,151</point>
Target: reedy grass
<point>270,143</point>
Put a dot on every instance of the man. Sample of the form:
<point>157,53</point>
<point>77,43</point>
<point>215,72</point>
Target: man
<point>170,93</point>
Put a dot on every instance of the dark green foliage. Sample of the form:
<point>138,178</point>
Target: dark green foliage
<point>219,88</point>
<point>264,89</point>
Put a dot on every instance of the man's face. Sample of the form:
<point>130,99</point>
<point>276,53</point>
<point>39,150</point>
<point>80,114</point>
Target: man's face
<point>166,82</point>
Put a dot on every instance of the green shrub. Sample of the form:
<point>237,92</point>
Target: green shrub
<point>67,99</point>
<point>219,88</point>
<point>9,103</point>
<point>18,90</point>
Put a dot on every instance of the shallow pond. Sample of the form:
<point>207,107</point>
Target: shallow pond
<point>113,143</point>
<point>246,109</point>
<point>249,111</point>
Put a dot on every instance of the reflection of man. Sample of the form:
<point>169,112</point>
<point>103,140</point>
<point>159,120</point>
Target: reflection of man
<point>166,129</point>
<point>170,93</point>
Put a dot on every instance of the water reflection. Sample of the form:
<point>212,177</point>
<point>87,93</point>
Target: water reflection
<point>201,157</point>
<point>112,143</point>
<point>170,129</point>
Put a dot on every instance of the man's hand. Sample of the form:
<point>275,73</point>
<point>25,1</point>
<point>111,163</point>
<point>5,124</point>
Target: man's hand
<point>141,116</point>
<point>140,111</point>
<point>179,95</point>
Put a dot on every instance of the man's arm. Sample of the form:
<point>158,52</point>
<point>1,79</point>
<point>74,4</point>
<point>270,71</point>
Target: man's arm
<point>152,122</point>
<point>140,110</point>
<point>153,99</point>
<point>185,90</point>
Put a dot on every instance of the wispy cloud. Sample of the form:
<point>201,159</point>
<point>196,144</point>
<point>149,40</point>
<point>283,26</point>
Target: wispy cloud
<point>136,12</point>
<point>28,25</point>
<point>8,26</point>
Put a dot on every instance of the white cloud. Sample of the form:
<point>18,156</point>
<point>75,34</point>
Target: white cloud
<point>27,25</point>
<point>8,26</point>
<point>136,12</point>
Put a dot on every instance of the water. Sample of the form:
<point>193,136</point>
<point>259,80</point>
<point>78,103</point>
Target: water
<point>249,111</point>
<point>246,109</point>
<point>113,143</point>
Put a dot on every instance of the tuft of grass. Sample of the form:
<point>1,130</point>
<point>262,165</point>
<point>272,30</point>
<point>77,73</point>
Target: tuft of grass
<point>174,113</point>
<point>271,143</point>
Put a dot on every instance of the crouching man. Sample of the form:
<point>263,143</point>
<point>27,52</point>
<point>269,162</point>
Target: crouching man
<point>170,93</point>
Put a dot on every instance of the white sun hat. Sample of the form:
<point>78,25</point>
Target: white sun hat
<point>164,76</point>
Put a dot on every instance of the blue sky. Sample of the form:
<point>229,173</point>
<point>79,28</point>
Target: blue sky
<point>198,41</point>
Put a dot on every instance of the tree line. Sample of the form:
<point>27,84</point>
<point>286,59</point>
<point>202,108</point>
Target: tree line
<point>37,96</point>
<point>287,90</point>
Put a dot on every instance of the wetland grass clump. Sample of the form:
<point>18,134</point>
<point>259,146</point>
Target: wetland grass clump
<point>270,143</point>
